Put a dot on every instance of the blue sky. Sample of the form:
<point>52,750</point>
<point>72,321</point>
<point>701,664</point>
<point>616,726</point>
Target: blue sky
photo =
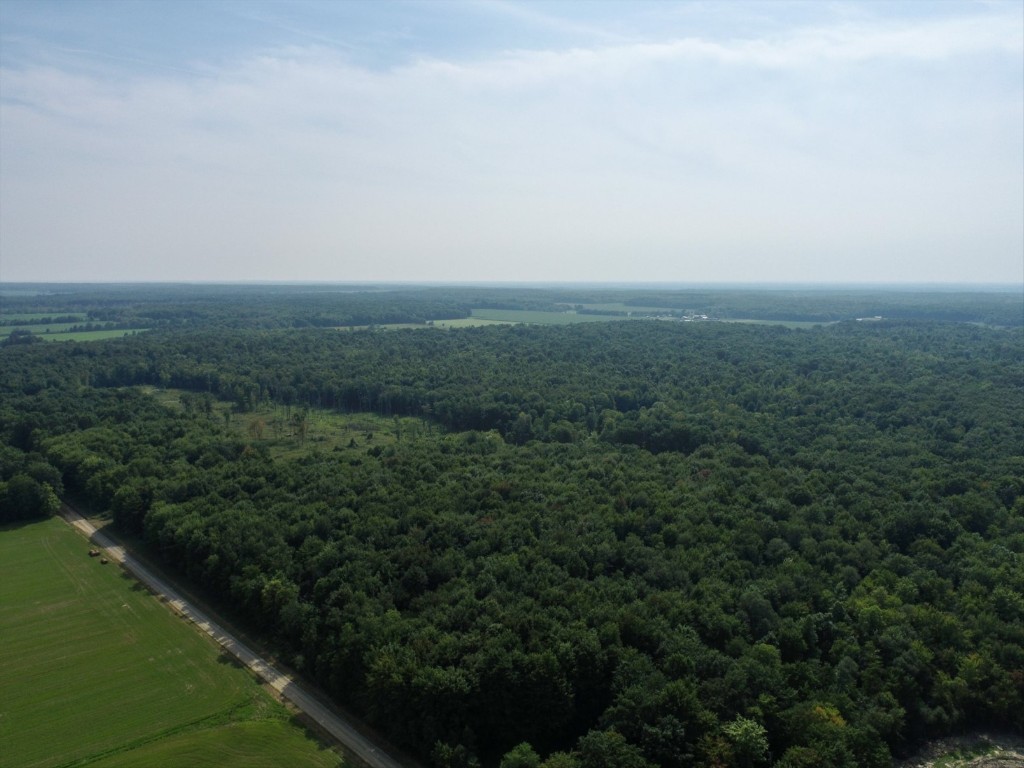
<point>540,141</point>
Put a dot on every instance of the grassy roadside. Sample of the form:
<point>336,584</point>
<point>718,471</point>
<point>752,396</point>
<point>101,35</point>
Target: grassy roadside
<point>233,624</point>
<point>95,671</point>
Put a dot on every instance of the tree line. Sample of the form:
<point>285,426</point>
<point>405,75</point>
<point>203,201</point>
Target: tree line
<point>153,305</point>
<point>623,544</point>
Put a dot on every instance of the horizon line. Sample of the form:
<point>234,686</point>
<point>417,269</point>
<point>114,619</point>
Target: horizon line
<point>561,284</point>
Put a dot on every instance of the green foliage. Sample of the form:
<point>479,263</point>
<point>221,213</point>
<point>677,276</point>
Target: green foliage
<point>97,672</point>
<point>20,336</point>
<point>252,744</point>
<point>608,543</point>
<point>521,756</point>
<point>23,497</point>
<point>560,760</point>
<point>749,741</point>
<point>609,749</point>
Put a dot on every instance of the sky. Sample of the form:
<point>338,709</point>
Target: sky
<point>498,140</point>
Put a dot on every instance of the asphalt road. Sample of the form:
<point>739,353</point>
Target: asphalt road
<point>357,743</point>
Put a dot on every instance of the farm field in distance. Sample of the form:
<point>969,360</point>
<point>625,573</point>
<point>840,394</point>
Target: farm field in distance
<point>486,317</point>
<point>619,306</point>
<point>94,670</point>
<point>783,323</point>
<point>63,332</point>
<point>755,530</point>
<point>539,317</point>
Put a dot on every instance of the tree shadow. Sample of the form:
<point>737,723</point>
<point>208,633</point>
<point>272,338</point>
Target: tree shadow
<point>228,659</point>
<point>325,742</point>
<point>136,585</point>
<point>14,525</point>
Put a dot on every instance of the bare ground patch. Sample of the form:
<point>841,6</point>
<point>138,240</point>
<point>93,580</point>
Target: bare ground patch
<point>976,750</point>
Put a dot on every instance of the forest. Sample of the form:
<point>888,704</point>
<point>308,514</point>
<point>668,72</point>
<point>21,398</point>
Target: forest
<point>620,544</point>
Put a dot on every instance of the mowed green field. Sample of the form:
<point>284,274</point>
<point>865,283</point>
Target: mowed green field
<point>60,332</point>
<point>95,671</point>
<point>539,317</point>
<point>462,322</point>
<point>93,335</point>
<point>618,306</point>
<point>469,322</point>
<point>481,317</point>
<point>785,323</point>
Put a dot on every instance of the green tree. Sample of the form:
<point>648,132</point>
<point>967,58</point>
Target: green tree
<point>521,756</point>
<point>609,749</point>
<point>749,741</point>
<point>23,498</point>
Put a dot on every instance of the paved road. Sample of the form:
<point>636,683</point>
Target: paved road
<point>370,753</point>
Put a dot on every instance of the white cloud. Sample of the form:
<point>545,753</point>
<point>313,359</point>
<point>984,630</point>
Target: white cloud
<point>778,157</point>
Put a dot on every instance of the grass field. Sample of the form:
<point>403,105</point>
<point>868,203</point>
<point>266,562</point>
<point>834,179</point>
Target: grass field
<point>59,332</point>
<point>481,317</point>
<point>96,671</point>
<point>539,318</point>
<point>469,322</point>
<point>382,326</point>
<point>462,322</point>
<point>618,306</point>
<point>253,744</point>
<point>93,335</point>
<point>786,323</point>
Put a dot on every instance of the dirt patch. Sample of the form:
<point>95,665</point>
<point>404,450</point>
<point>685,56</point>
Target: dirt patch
<point>1007,760</point>
<point>979,750</point>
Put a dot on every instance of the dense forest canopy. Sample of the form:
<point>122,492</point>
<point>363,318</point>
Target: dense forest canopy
<point>631,543</point>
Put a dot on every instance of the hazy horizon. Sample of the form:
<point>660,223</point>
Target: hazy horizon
<point>940,287</point>
<point>524,143</point>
